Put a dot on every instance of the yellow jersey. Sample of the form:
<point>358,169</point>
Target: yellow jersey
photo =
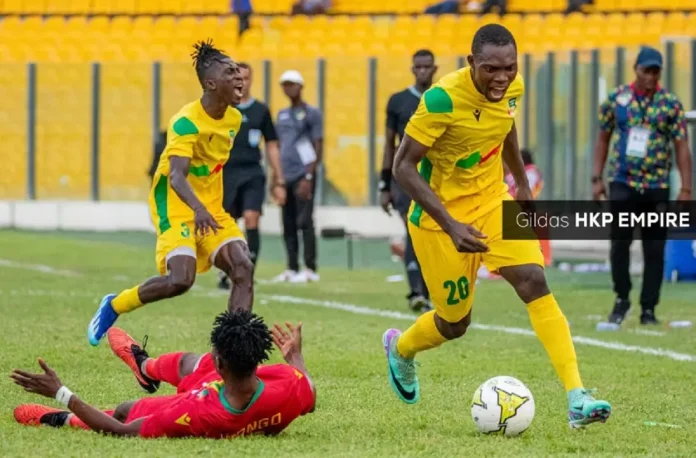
<point>465,133</point>
<point>207,142</point>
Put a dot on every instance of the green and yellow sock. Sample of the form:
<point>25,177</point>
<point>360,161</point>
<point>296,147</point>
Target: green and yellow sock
<point>127,301</point>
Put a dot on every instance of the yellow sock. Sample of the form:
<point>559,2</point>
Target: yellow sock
<point>127,301</point>
<point>423,335</point>
<point>553,331</point>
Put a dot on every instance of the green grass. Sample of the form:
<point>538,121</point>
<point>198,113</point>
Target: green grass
<point>46,314</point>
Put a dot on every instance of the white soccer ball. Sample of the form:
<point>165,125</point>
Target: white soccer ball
<point>503,405</point>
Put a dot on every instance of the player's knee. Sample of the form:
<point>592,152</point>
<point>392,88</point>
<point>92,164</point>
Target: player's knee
<point>451,331</point>
<point>251,219</point>
<point>532,284</point>
<point>242,270</point>
<point>122,411</point>
<point>180,284</point>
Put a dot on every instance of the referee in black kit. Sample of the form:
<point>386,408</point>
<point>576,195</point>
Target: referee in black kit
<point>243,175</point>
<point>400,108</point>
<point>643,120</point>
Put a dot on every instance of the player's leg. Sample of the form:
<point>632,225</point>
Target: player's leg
<point>234,186</point>
<point>305,223</point>
<point>653,240</point>
<point>451,277</point>
<point>292,247</point>
<point>180,262</point>
<point>521,263</point>
<point>227,250</point>
<point>37,414</point>
<point>622,199</point>
<point>252,204</point>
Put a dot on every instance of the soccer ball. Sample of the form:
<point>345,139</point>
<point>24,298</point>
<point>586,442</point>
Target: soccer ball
<point>503,405</point>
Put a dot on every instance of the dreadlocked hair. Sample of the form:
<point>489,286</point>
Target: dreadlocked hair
<point>242,340</point>
<point>204,54</point>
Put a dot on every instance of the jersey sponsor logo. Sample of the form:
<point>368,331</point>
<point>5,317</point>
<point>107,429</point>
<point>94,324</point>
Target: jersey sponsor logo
<point>477,114</point>
<point>183,420</point>
<point>259,426</point>
<point>512,106</point>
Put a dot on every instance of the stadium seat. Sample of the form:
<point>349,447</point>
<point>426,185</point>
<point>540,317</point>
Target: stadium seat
<point>13,83</point>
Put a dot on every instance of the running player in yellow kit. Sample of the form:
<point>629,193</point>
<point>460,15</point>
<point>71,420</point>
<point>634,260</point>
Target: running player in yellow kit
<point>460,135</point>
<point>193,231</point>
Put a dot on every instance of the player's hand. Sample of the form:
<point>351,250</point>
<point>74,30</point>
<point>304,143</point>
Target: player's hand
<point>525,199</point>
<point>466,238</point>
<point>304,189</point>
<point>598,190</point>
<point>385,199</point>
<point>279,194</point>
<point>288,342</point>
<point>46,384</point>
<point>204,222</point>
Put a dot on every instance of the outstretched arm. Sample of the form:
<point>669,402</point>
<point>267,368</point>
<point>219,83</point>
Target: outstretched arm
<point>49,385</point>
<point>290,345</point>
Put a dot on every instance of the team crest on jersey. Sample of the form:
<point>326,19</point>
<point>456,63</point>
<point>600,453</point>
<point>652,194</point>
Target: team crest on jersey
<point>512,106</point>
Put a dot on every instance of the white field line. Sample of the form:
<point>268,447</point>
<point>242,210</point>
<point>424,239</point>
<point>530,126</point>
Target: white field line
<point>360,310</point>
<point>38,268</point>
<point>356,309</point>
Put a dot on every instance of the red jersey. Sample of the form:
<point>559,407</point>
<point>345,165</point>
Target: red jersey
<point>283,395</point>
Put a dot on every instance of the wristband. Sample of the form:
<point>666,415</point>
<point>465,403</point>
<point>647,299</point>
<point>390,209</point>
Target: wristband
<point>63,395</point>
<point>385,180</point>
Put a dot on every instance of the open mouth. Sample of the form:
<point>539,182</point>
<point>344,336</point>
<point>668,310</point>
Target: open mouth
<point>238,90</point>
<point>497,93</point>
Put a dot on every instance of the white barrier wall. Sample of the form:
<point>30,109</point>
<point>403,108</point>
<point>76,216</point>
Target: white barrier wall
<point>134,216</point>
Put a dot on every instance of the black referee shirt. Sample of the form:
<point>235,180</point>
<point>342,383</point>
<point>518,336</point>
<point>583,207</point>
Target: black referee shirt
<point>256,123</point>
<point>400,108</point>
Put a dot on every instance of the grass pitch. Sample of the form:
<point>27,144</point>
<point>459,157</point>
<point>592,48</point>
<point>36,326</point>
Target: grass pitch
<point>50,285</point>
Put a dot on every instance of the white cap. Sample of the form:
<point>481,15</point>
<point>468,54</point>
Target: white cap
<point>291,76</point>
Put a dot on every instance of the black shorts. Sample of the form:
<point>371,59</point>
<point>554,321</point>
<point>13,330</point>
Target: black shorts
<point>401,201</point>
<point>244,189</point>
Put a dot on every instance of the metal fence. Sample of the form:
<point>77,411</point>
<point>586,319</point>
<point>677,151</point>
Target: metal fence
<point>86,131</point>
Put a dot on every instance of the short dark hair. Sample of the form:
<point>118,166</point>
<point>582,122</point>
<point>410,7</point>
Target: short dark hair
<point>423,53</point>
<point>242,341</point>
<point>491,34</point>
<point>244,65</point>
<point>526,156</point>
<point>204,54</point>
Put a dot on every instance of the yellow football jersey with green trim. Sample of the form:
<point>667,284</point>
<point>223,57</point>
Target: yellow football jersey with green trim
<point>207,142</point>
<point>465,134</point>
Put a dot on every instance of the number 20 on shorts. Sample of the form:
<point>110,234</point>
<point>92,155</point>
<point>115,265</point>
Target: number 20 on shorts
<point>458,291</point>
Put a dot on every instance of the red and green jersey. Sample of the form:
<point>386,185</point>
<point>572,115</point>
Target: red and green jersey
<point>283,395</point>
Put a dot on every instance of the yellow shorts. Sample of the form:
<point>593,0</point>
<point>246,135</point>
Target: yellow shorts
<point>175,237</point>
<point>451,276</point>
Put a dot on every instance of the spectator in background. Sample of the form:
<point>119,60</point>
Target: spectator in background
<point>242,8</point>
<point>643,119</point>
<point>490,4</point>
<point>300,133</point>
<point>311,7</point>
<point>243,176</point>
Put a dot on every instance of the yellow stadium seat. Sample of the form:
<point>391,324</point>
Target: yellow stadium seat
<point>13,121</point>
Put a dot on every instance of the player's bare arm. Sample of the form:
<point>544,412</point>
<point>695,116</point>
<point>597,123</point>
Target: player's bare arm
<point>405,170</point>
<point>601,150</point>
<point>290,345</point>
<point>683,157</point>
<point>204,221</point>
<point>387,164</point>
<point>49,385</point>
<point>304,189</point>
<point>513,160</point>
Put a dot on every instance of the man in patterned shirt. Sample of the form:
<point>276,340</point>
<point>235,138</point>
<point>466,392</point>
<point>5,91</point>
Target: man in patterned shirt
<point>641,119</point>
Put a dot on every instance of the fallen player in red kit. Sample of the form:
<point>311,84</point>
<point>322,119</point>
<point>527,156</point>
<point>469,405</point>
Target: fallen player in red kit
<point>221,394</point>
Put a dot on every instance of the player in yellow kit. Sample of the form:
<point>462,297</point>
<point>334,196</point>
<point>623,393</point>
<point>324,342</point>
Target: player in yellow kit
<point>193,231</point>
<point>451,163</point>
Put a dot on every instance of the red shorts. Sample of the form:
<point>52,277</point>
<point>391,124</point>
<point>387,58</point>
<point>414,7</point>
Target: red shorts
<point>204,373</point>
